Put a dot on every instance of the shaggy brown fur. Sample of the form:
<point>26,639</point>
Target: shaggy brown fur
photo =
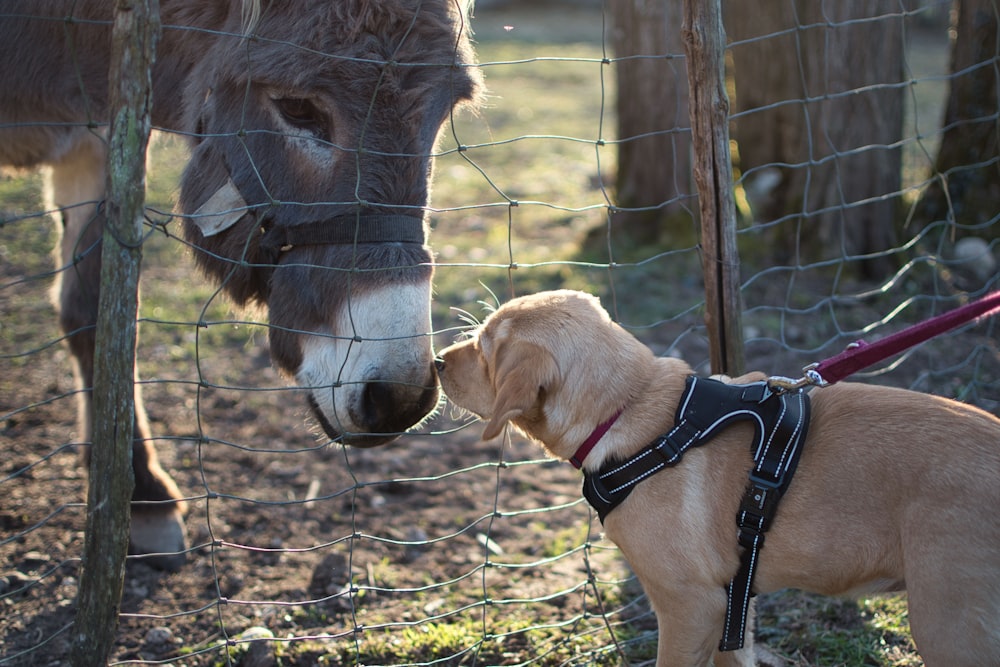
<point>323,108</point>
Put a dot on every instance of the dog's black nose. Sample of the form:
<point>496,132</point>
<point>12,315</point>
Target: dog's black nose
<point>439,364</point>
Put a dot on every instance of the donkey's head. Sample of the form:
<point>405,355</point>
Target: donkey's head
<point>308,184</point>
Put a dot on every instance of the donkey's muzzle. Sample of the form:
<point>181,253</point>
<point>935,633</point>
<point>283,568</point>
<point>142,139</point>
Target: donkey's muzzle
<point>384,411</point>
<point>389,407</point>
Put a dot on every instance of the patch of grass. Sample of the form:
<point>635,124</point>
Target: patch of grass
<point>812,630</point>
<point>26,236</point>
<point>525,210</point>
<point>561,541</point>
<point>465,641</point>
<point>20,193</point>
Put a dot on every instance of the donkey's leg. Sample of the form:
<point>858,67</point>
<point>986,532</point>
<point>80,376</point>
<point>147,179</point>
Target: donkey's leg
<point>80,177</point>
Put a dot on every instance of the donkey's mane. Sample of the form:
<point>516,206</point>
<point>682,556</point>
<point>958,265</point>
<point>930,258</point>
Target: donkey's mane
<point>250,15</point>
<point>251,10</point>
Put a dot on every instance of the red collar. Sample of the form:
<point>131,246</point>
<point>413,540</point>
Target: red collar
<point>588,444</point>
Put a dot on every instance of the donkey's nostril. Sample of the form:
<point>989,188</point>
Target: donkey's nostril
<point>378,403</point>
<point>393,407</point>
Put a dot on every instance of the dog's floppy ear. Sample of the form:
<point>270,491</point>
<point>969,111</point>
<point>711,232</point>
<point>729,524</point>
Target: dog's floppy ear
<point>522,371</point>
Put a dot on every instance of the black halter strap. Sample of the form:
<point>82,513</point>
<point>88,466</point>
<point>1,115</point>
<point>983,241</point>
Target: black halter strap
<point>780,420</point>
<point>345,229</point>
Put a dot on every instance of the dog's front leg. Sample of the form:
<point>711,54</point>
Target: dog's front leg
<point>742,658</point>
<point>690,628</point>
<point>745,657</point>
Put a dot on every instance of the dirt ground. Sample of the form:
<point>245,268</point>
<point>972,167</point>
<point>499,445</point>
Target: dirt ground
<point>410,525</point>
<point>312,541</point>
<point>332,550</point>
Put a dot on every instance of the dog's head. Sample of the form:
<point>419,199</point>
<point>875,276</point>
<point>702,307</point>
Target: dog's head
<point>552,364</point>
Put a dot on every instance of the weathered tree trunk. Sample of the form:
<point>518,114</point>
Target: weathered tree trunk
<point>654,163</point>
<point>831,71</point>
<point>968,159</point>
<point>134,36</point>
<point>705,42</point>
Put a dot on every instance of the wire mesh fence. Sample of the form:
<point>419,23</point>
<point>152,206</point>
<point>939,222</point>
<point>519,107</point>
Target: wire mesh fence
<point>439,548</point>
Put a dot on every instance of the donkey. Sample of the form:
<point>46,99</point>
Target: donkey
<point>312,126</point>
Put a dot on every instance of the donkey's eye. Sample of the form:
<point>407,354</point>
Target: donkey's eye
<point>303,114</point>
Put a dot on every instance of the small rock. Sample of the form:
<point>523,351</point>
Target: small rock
<point>255,632</point>
<point>417,538</point>
<point>159,639</point>
<point>260,651</point>
<point>488,542</point>
<point>434,605</point>
<point>329,576</point>
<point>973,254</point>
<point>15,581</point>
<point>33,559</point>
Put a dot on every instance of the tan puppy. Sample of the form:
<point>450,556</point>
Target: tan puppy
<point>894,489</point>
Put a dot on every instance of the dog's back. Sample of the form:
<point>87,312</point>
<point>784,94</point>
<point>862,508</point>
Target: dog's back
<point>893,489</point>
<point>913,480</point>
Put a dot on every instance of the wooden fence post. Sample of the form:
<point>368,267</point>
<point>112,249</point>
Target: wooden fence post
<point>705,44</point>
<point>134,36</point>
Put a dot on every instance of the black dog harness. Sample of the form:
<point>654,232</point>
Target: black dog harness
<point>780,419</point>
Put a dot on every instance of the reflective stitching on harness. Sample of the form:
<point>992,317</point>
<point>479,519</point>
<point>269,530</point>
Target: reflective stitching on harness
<point>601,496</point>
<point>703,399</point>
<point>794,438</point>
<point>687,398</point>
<point>730,416</point>
<point>652,450</point>
<point>745,602</point>
<point>698,435</point>
<point>770,438</point>
<point>641,477</point>
<point>776,447</point>
<point>639,457</point>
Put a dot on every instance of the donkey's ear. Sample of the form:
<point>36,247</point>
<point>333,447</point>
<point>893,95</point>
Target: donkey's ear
<point>522,372</point>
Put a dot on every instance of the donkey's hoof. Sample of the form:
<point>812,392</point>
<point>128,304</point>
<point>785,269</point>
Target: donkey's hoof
<point>158,537</point>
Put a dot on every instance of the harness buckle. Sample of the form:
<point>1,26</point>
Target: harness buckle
<point>765,479</point>
<point>750,537</point>
<point>760,502</point>
<point>758,392</point>
<point>810,378</point>
<point>671,446</point>
<point>667,448</point>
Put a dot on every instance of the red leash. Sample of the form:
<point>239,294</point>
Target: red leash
<point>860,355</point>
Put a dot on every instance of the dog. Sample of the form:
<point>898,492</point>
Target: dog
<point>894,490</point>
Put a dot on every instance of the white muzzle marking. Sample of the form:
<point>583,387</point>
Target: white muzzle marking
<point>382,336</point>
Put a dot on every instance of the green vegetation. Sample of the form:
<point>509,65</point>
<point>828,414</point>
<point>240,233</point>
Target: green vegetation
<point>812,630</point>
